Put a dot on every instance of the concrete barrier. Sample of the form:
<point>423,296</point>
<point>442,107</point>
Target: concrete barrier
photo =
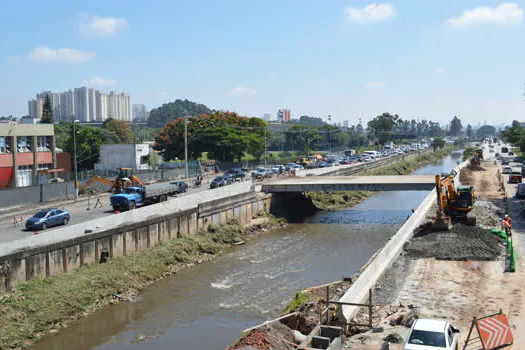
<point>69,247</point>
<point>382,260</point>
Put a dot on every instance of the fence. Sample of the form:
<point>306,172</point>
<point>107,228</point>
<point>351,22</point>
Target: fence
<point>41,193</point>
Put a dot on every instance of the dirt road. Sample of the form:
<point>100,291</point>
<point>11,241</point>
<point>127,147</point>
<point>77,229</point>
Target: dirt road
<point>461,290</point>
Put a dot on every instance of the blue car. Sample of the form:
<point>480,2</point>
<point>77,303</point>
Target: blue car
<point>48,218</point>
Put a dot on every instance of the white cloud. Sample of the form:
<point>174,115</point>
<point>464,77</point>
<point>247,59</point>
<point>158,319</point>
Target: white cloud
<point>371,13</point>
<point>101,26</point>
<point>240,90</point>
<point>61,55</point>
<point>440,70</point>
<point>375,84</point>
<point>505,13</point>
<point>99,81</point>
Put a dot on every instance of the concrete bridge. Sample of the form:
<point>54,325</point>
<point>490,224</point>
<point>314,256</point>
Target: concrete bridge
<point>351,183</point>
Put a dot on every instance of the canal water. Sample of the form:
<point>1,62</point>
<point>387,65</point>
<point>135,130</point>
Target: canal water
<point>206,306</point>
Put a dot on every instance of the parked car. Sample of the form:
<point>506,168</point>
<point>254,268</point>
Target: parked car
<point>505,162</point>
<point>48,218</point>
<point>263,173</point>
<point>507,170</point>
<point>520,191</point>
<point>236,174</point>
<point>183,187</point>
<point>321,164</point>
<point>256,171</point>
<point>275,169</point>
<point>221,181</point>
<point>432,334</point>
<point>515,176</point>
<point>290,166</point>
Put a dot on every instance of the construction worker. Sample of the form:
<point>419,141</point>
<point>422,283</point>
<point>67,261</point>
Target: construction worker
<point>507,225</point>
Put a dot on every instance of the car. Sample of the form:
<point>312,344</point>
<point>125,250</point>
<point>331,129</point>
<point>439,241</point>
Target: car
<point>321,164</point>
<point>256,171</point>
<point>352,160</point>
<point>48,218</point>
<point>236,174</point>
<point>432,334</point>
<point>511,153</point>
<point>507,170</point>
<point>520,191</point>
<point>505,162</point>
<point>220,181</point>
<point>183,187</point>
<point>298,167</point>
<point>491,150</point>
<point>290,166</point>
<point>367,159</point>
<point>275,169</point>
<point>263,173</point>
<point>330,163</point>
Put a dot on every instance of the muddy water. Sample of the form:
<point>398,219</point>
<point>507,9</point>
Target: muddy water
<point>206,306</point>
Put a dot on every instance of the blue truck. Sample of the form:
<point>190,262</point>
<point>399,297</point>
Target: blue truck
<point>136,196</point>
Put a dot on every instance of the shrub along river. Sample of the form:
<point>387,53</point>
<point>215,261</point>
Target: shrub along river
<point>206,306</point>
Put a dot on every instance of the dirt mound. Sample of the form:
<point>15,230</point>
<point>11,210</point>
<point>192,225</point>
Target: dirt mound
<point>461,243</point>
<point>267,337</point>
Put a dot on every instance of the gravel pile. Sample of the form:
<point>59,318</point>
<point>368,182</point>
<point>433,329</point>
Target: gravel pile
<point>488,214</point>
<point>461,243</point>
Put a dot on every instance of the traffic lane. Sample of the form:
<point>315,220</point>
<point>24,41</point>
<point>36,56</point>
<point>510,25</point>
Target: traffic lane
<point>13,228</point>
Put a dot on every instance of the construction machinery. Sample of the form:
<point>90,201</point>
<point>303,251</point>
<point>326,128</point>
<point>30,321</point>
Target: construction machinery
<point>455,204</point>
<point>124,179</point>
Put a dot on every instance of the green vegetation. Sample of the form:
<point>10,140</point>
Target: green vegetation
<point>346,199</point>
<point>35,307</point>
<point>515,135</point>
<point>121,129</point>
<point>224,135</point>
<point>173,110</point>
<point>486,130</point>
<point>47,112</point>
<point>301,298</point>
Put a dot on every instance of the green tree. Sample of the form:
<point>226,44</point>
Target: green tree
<point>158,117</point>
<point>512,134</point>
<point>486,130</point>
<point>224,135</point>
<point>437,142</point>
<point>455,126</point>
<point>308,121</point>
<point>382,127</point>
<point>470,132</point>
<point>121,128</point>
<point>88,142</point>
<point>47,112</point>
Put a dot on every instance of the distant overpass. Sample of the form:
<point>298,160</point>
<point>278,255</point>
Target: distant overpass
<point>351,183</point>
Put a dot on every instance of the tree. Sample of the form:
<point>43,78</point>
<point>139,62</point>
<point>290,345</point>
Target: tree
<point>455,126</point>
<point>158,117</point>
<point>224,135</point>
<point>308,121</point>
<point>88,141</point>
<point>486,130</point>
<point>470,132</point>
<point>437,142</point>
<point>512,134</point>
<point>382,126</point>
<point>47,112</point>
<point>121,129</point>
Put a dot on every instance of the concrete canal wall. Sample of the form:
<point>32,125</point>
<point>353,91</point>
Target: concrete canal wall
<point>93,242</point>
<point>382,260</point>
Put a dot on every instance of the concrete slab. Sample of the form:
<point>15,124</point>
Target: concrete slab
<point>352,183</point>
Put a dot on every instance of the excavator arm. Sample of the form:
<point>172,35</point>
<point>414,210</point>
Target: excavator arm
<point>97,179</point>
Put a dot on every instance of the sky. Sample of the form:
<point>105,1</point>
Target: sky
<point>421,59</point>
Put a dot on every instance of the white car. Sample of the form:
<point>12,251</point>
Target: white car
<point>432,334</point>
<point>507,170</point>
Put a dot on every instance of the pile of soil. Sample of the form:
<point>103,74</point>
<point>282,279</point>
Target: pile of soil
<point>265,338</point>
<point>461,243</point>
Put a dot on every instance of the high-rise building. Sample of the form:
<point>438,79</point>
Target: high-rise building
<point>283,115</point>
<point>346,123</point>
<point>140,112</point>
<point>83,104</point>
<point>267,117</point>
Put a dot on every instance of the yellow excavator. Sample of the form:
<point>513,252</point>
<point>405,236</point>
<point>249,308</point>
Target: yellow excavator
<point>124,179</point>
<point>454,204</point>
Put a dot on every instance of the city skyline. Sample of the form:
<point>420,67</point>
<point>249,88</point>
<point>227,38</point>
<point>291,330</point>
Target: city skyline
<point>349,59</point>
<point>84,104</point>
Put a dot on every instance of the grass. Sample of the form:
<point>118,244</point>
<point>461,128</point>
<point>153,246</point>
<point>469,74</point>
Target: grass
<point>301,298</point>
<point>347,199</point>
<point>35,307</point>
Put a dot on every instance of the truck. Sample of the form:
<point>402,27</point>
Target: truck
<point>515,176</point>
<point>136,196</point>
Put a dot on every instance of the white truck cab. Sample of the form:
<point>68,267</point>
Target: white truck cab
<point>427,334</point>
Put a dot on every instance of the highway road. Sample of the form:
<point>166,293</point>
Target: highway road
<point>12,227</point>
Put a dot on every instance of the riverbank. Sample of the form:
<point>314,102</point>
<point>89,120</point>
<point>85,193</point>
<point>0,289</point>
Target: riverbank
<point>40,307</point>
<point>348,199</point>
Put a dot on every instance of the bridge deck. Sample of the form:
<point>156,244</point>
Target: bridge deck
<point>351,183</point>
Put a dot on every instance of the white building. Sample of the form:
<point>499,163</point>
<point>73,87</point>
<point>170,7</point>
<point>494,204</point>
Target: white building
<point>140,112</point>
<point>124,156</point>
<point>84,104</point>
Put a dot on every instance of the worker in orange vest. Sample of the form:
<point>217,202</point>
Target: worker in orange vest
<point>507,225</point>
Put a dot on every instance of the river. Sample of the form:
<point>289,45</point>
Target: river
<point>206,306</point>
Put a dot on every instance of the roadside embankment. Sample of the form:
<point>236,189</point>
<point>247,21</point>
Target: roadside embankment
<point>347,199</point>
<point>39,307</point>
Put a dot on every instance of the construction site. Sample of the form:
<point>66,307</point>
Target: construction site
<point>457,266</point>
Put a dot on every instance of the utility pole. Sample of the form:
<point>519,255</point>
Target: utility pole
<point>186,146</point>
<point>265,147</point>
<point>75,157</point>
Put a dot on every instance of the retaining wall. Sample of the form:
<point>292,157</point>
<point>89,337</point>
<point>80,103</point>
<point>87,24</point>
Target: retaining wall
<point>381,261</point>
<point>67,248</point>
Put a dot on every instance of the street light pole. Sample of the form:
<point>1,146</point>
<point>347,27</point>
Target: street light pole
<point>265,147</point>
<point>75,157</point>
<point>186,146</point>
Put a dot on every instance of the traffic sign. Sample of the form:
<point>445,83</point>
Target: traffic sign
<point>495,331</point>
